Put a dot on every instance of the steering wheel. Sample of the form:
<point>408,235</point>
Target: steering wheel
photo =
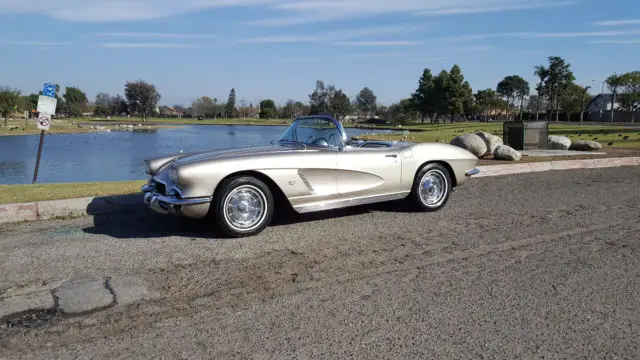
<point>335,141</point>
<point>320,141</point>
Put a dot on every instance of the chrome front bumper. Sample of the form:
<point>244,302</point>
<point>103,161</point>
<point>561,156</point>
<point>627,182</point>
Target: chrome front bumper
<point>169,204</point>
<point>470,173</point>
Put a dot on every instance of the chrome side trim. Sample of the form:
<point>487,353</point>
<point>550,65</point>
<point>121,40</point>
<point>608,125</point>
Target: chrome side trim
<point>343,203</point>
<point>177,201</point>
<point>169,204</point>
<point>306,182</point>
<point>475,171</point>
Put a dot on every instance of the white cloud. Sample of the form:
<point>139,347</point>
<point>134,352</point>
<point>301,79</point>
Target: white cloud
<point>34,43</point>
<point>289,11</point>
<point>584,34</point>
<point>541,35</point>
<point>118,10</point>
<point>276,39</point>
<point>497,8</point>
<point>377,43</point>
<point>618,22</point>
<point>621,42</point>
<point>344,34</point>
<point>156,35</point>
<point>143,45</point>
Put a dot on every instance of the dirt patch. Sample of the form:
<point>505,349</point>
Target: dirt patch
<point>610,153</point>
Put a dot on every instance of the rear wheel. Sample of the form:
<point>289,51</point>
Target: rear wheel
<point>243,206</point>
<point>431,188</point>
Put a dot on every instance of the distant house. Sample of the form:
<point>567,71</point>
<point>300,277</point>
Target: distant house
<point>168,110</point>
<point>601,102</point>
<point>599,109</point>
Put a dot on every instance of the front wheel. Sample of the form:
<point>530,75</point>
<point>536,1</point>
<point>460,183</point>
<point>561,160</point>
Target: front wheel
<point>431,188</point>
<point>244,206</point>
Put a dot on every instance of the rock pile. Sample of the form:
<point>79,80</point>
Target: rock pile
<point>483,144</point>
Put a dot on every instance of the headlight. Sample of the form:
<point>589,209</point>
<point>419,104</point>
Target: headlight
<point>173,175</point>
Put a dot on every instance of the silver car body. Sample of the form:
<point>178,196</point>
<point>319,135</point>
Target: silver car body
<point>310,178</point>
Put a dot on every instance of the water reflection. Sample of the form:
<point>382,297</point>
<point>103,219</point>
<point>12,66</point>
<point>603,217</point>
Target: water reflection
<point>118,155</point>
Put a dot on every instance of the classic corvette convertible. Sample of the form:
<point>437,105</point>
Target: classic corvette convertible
<point>314,166</point>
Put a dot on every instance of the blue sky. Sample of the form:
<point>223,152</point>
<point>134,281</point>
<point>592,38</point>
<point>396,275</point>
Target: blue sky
<point>278,48</point>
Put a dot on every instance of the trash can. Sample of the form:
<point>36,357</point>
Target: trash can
<point>526,135</point>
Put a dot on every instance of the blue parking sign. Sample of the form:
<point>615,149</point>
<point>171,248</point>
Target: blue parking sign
<point>49,90</point>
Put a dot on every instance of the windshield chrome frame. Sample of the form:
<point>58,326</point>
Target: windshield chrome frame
<point>343,134</point>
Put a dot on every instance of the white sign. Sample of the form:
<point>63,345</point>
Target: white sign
<point>44,121</point>
<point>47,104</point>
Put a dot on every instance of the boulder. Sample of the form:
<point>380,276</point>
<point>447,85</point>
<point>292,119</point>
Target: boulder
<point>490,140</point>
<point>585,145</point>
<point>505,152</point>
<point>471,142</point>
<point>559,142</point>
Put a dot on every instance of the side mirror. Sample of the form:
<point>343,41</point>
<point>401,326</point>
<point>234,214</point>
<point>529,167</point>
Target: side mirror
<point>272,142</point>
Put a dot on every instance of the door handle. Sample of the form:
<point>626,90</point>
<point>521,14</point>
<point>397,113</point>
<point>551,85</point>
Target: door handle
<point>391,155</point>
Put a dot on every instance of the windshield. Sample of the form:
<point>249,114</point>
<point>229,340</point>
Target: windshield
<point>313,132</point>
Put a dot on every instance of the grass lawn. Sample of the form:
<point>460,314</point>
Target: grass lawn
<point>42,192</point>
<point>608,136</point>
<point>58,127</point>
<point>185,121</point>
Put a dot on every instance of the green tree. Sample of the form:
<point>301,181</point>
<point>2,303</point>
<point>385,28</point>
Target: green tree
<point>339,104</point>
<point>203,106</point>
<point>319,99</point>
<point>142,97</point>
<point>522,91</point>
<point>268,109</point>
<point>230,107</point>
<point>402,112</point>
<point>366,101</point>
<point>614,82</point>
<point>120,105</point>
<point>630,92</point>
<point>468,101</point>
<point>559,78</point>
<point>572,99</point>
<point>441,96</point>
<point>457,92</point>
<point>30,102</point>
<point>9,100</point>
<point>75,96</point>
<point>542,73</point>
<point>75,101</point>
<point>289,109</point>
<point>507,89</point>
<point>423,98</point>
<point>486,101</point>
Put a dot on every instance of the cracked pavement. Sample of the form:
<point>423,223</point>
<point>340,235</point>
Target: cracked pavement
<point>520,266</point>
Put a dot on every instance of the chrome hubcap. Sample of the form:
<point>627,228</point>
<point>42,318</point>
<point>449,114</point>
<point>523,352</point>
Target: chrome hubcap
<point>244,208</point>
<point>433,188</point>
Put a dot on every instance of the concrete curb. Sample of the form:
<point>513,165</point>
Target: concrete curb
<point>44,210</point>
<point>497,170</point>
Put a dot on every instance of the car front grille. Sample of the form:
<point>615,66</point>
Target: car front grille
<point>161,188</point>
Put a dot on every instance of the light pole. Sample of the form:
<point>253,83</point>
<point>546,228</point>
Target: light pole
<point>584,95</point>
<point>602,101</point>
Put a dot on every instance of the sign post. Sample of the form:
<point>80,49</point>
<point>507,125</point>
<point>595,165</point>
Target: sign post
<point>47,103</point>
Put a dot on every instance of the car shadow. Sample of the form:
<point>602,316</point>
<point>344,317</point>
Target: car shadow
<point>132,219</point>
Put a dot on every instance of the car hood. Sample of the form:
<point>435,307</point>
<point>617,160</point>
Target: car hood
<point>232,153</point>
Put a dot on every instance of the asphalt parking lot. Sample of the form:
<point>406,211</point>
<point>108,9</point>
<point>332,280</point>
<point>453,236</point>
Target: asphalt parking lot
<point>520,266</point>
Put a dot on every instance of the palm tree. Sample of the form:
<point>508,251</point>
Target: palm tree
<point>582,101</point>
<point>613,83</point>
<point>543,73</point>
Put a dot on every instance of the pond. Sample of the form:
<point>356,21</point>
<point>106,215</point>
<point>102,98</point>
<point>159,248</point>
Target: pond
<point>119,155</point>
